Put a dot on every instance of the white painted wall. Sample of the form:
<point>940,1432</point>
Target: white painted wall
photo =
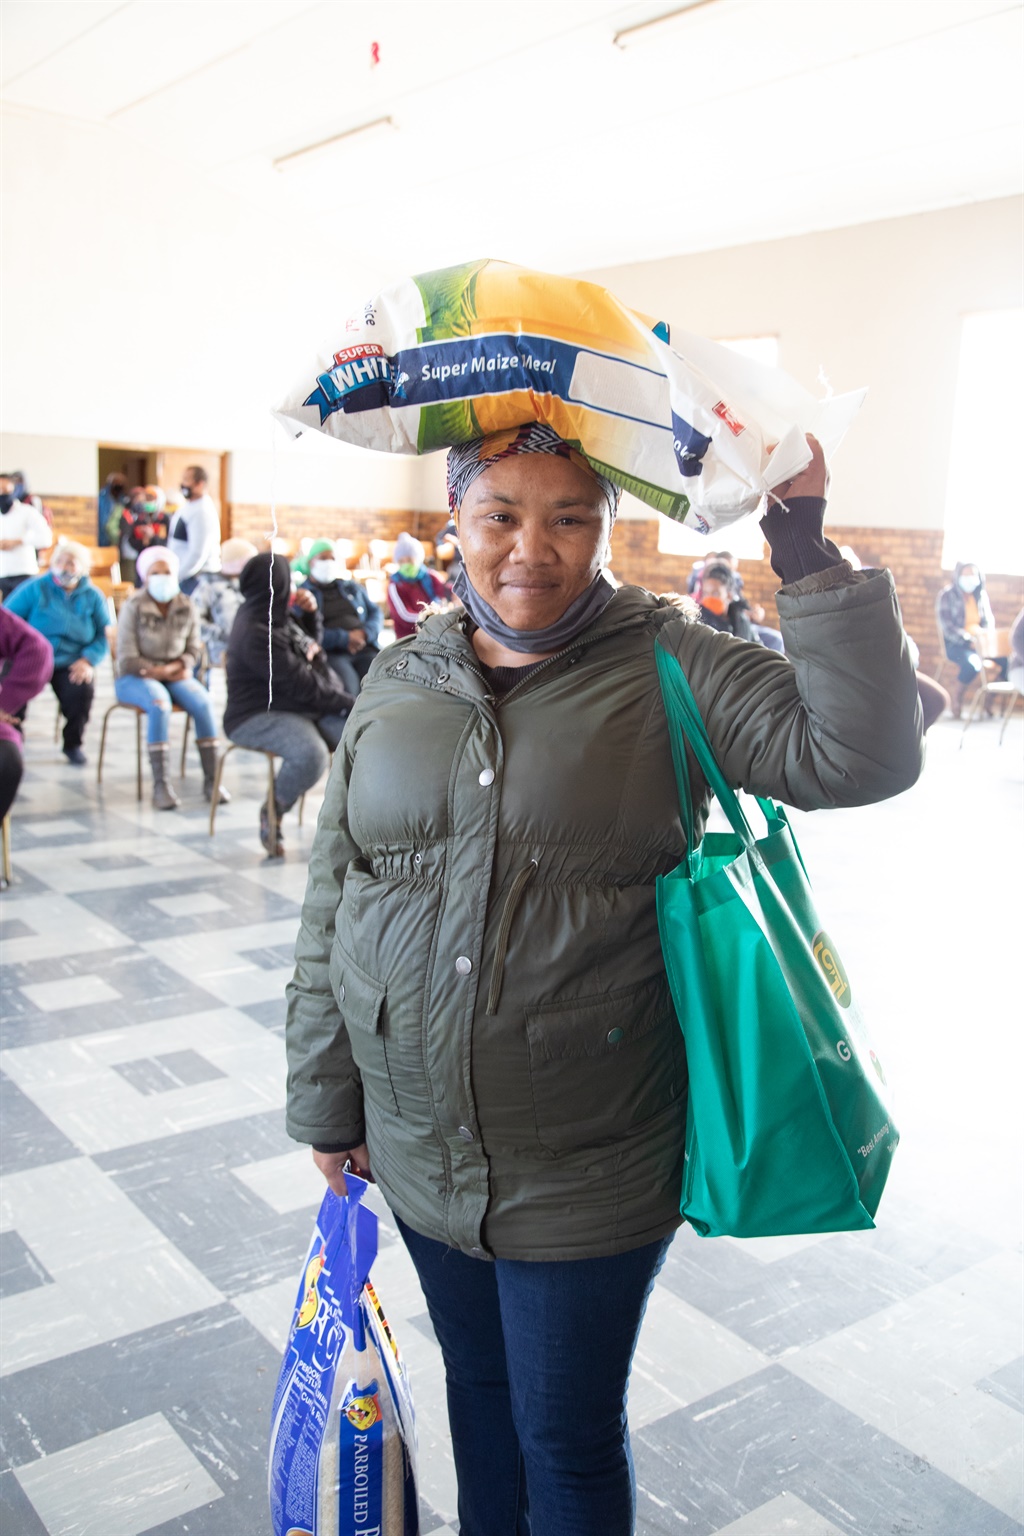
<point>53,466</point>
<point>877,304</point>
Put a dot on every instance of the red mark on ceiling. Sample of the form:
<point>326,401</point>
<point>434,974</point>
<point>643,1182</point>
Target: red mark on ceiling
<point>374,54</point>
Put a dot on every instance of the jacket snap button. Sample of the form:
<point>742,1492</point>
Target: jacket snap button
<point>443,677</point>
<point>400,666</point>
<point>463,965</point>
<point>417,858</point>
<point>614,1036</point>
<point>487,777</point>
<point>465,1133</point>
<point>341,993</point>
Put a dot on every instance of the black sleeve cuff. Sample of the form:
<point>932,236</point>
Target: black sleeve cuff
<point>796,535</point>
<point>333,1148</point>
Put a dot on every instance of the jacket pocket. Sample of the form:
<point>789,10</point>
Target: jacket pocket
<point>601,1066</point>
<point>361,1000</point>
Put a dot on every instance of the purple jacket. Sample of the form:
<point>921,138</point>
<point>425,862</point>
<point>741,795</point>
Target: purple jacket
<point>27,663</point>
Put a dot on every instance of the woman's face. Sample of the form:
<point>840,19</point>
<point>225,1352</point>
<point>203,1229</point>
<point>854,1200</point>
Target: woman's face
<point>158,568</point>
<point>534,531</point>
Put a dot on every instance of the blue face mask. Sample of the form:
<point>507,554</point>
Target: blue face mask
<point>162,588</point>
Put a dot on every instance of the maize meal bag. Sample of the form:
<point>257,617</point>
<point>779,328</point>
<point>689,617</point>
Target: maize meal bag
<point>695,431</point>
<point>342,1445</point>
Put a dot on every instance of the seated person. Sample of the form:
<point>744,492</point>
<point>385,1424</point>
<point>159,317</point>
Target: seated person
<point>64,606</point>
<point>963,611</point>
<point>448,550</point>
<point>412,590</point>
<point>158,646</point>
<point>772,638</point>
<point>282,695</point>
<point>26,661</point>
<point>719,608</point>
<point>351,622</point>
<point>217,597</point>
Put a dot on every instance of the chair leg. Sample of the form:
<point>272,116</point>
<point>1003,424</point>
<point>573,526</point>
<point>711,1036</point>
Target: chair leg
<point>302,807</point>
<point>271,802</point>
<point>138,756</point>
<point>184,744</point>
<point>103,743</point>
<point>6,834</point>
<point>1008,709</point>
<point>972,713</point>
<point>215,796</point>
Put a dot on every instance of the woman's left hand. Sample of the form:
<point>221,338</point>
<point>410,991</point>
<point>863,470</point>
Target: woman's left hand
<point>812,481</point>
<point>334,1164</point>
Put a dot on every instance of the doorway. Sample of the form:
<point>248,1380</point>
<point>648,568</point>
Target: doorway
<point>164,467</point>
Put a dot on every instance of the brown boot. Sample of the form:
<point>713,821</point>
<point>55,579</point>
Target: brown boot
<point>209,758</point>
<point>164,798</point>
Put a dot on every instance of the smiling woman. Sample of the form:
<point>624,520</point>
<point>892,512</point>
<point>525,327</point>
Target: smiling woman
<point>480,1018</point>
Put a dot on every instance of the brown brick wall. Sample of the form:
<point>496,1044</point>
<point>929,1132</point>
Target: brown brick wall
<point>74,517</point>
<point>358,524</point>
<point>912,554</point>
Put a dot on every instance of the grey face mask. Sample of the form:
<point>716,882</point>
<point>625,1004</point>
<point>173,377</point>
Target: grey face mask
<point>531,642</point>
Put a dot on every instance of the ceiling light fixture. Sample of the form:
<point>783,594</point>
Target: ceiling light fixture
<point>643,30</point>
<point>361,132</point>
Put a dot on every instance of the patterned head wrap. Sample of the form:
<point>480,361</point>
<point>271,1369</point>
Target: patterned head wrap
<point>468,460</point>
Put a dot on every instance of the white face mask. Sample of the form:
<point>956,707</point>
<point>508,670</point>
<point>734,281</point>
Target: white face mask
<point>324,571</point>
<point>162,588</point>
<point>968,583</point>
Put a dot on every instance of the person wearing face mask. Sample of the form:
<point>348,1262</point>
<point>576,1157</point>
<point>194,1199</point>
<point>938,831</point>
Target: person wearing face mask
<point>158,646</point>
<point>143,523</point>
<point>65,607</point>
<point>218,598</point>
<point>195,532</point>
<point>23,531</point>
<point>719,607</point>
<point>282,695</point>
<point>351,621</point>
<point>413,589</point>
<point>480,1017</point>
<point>963,610</point>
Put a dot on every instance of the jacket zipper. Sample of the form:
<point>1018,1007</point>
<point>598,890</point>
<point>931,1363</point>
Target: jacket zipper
<point>519,885</point>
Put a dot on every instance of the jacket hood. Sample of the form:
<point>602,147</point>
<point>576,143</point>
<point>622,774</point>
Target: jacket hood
<point>962,565</point>
<point>267,574</point>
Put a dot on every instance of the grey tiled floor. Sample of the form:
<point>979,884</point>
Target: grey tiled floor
<point>154,1214</point>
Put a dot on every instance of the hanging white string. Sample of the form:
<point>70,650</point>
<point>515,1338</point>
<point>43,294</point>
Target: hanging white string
<point>271,536</point>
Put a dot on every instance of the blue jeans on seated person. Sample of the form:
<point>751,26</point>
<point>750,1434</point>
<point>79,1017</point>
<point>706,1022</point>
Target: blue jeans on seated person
<point>157,698</point>
<point>537,1357</point>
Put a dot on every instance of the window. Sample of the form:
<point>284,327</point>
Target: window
<point>983,517</point>
<point>743,538</point>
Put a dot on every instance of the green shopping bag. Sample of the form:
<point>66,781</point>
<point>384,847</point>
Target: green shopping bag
<point>789,1127</point>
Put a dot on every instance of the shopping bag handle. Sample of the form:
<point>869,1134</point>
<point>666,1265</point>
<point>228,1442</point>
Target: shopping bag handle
<point>685,721</point>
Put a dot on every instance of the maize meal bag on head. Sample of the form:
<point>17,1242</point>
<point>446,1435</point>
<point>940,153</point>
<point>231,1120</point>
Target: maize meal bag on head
<point>342,1443</point>
<point>695,431</point>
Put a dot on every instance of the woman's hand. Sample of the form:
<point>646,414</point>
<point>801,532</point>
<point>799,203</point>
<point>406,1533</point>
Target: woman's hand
<point>80,671</point>
<point>305,600</point>
<point>333,1164</point>
<point>812,481</point>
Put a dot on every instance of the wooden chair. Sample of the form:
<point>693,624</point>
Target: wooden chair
<point>236,746</point>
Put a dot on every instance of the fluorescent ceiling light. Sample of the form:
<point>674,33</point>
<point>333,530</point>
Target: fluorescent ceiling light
<point>374,129</point>
<point>649,31</point>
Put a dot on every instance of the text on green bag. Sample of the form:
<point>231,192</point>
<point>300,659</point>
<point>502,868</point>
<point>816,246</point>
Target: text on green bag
<point>830,963</point>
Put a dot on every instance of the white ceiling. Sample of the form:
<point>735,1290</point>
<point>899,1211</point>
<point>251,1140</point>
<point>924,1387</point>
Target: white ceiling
<point>522,131</point>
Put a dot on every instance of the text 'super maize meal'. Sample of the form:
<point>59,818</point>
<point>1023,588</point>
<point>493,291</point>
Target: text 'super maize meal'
<point>698,433</point>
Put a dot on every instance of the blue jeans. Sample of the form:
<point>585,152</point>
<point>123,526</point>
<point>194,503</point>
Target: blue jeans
<point>156,699</point>
<point>537,1358</point>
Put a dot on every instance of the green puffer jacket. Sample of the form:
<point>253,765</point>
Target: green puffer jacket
<point>479,992</point>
